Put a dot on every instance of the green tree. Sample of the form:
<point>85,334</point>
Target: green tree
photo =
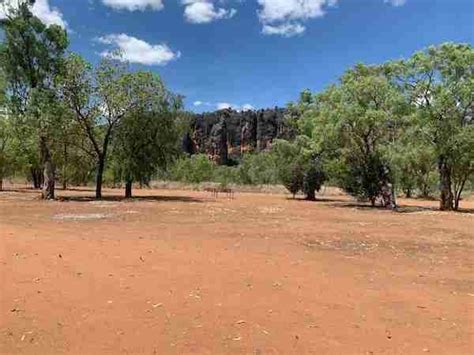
<point>147,138</point>
<point>356,123</point>
<point>416,165</point>
<point>439,82</point>
<point>299,166</point>
<point>31,58</point>
<point>100,99</point>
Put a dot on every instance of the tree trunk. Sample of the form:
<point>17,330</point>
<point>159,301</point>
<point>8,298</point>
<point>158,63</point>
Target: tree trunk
<point>458,192</point>
<point>99,177</point>
<point>408,192</point>
<point>37,177</point>
<point>425,191</point>
<point>311,196</point>
<point>446,200</point>
<point>65,168</point>
<point>388,196</point>
<point>1,183</point>
<point>372,201</point>
<point>48,171</point>
<point>128,189</point>
<point>394,197</point>
<point>102,155</point>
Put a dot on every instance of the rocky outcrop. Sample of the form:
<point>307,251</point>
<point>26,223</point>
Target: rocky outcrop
<point>225,135</point>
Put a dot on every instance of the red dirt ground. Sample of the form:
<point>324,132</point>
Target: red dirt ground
<point>181,273</point>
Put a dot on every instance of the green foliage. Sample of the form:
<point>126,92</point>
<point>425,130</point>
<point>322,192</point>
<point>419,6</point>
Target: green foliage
<point>293,178</point>
<point>146,139</point>
<point>357,123</point>
<point>31,57</point>
<point>364,178</point>
<point>225,175</point>
<point>415,165</point>
<point>313,178</point>
<point>439,84</point>
<point>7,157</point>
<point>195,169</point>
<point>299,166</point>
<point>258,169</point>
<point>393,124</point>
<point>111,102</point>
<point>254,169</point>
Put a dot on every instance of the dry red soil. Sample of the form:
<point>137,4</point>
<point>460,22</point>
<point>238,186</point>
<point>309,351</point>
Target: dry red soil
<point>179,272</point>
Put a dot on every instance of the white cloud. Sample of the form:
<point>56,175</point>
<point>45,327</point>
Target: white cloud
<point>202,103</point>
<point>41,9</point>
<point>224,105</point>
<point>135,50</point>
<point>286,17</point>
<point>285,29</point>
<point>134,5</point>
<point>204,11</point>
<point>396,2</point>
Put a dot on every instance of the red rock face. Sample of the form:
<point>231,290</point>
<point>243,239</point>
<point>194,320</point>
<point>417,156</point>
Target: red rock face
<point>226,135</point>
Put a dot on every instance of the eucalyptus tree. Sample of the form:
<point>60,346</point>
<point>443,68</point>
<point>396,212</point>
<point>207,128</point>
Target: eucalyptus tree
<point>439,82</point>
<point>147,138</point>
<point>101,98</point>
<point>300,167</point>
<point>355,124</point>
<point>31,57</point>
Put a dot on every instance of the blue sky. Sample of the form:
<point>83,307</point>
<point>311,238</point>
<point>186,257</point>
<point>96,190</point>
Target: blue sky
<point>256,53</point>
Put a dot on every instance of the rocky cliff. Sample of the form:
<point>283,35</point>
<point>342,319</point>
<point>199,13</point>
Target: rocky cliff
<point>225,135</point>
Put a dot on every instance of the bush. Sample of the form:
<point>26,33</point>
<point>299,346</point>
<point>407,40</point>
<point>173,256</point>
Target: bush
<point>196,169</point>
<point>258,169</point>
<point>365,179</point>
<point>313,179</point>
<point>292,178</point>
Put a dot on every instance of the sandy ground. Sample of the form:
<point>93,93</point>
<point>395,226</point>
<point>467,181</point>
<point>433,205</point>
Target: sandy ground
<point>178,272</point>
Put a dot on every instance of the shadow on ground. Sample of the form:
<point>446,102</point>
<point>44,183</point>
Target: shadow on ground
<point>133,199</point>
<point>318,199</point>
<point>115,198</point>
<point>400,208</point>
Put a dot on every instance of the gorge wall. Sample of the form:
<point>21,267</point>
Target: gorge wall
<point>225,135</point>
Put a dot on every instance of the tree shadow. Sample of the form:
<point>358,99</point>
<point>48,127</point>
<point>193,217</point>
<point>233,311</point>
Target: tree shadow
<point>318,199</point>
<point>132,199</point>
<point>403,209</point>
<point>28,190</point>
<point>78,189</point>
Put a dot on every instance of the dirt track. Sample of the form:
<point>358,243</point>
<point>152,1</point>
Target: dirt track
<point>181,273</point>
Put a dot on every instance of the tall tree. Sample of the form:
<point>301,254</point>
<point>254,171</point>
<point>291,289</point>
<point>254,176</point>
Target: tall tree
<point>101,98</point>
<point>439,82</point>
<point>31,57</point>
<point>148,137</point>
<point>355,123</point>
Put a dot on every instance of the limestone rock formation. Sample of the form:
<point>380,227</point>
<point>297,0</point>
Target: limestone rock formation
<point>225,135</point>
